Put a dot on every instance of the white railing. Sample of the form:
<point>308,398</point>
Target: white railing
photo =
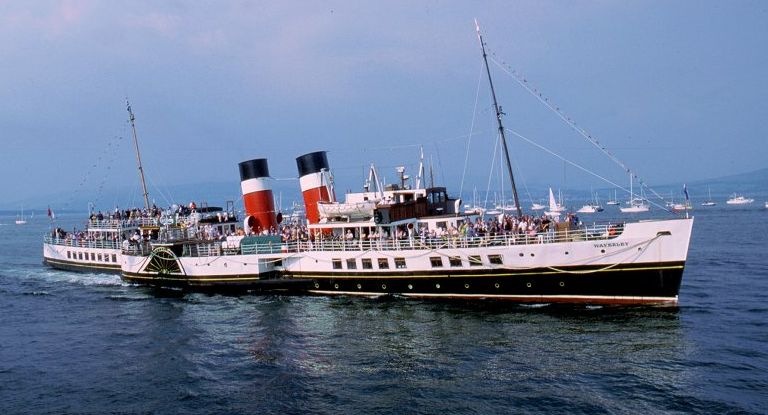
<point>214,248</point>
<point>82,243</point>
<point>113,224</point>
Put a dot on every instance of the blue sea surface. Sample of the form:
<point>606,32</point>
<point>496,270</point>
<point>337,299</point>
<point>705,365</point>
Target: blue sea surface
<point>89,343</point>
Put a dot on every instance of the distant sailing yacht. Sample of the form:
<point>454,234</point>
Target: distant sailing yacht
<point>555,208</point>
<point>614,201</point>
<point>709,201</point>
<point>20,220</point>
<point>636,205</point>
<point>593,207</point>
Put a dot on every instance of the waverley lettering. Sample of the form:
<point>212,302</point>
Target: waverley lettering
<point>611,244</point>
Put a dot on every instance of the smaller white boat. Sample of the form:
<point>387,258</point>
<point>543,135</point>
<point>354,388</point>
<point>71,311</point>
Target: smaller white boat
<point>709,201</point>
<point>614,201</point>
<point>555,209</point>
<point>681,207</point>
<point>636,206</point>
<point>593,207</point>
<point>538,206</point>
<point>766,205</point>
<point>21,220</point>
<point>590,208</point>
<point>739,200</point>
<point>357,210</point>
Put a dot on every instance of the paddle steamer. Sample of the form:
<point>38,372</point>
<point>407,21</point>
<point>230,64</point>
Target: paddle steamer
<point>416,242</point>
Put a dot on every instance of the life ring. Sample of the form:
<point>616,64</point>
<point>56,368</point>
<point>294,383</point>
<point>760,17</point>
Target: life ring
<point>611,230</point>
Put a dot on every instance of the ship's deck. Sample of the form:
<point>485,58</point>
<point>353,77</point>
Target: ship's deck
<point>206,248</point>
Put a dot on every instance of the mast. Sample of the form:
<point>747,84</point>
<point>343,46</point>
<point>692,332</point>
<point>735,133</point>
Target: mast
<point>138,155</point>
<point>498,118</point>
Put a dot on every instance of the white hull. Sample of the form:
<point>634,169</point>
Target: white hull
<point>642,246</point>
<point>740,201</point>
<point>93,258</point>
<point>590,209</point>
<point>635,209</point>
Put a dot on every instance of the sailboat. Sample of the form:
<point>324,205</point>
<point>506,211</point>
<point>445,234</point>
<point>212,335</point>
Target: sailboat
<point>636,205</point>
<point>614,201</point>
<point>20,220</point>
<point>555,209</point>
<point>709,201</point>
<point>593,207</point>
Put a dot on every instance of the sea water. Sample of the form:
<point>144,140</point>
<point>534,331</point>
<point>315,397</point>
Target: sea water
<point>89,343</point>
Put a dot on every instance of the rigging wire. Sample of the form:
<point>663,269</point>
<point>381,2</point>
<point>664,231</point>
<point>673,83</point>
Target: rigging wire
<point>578,166</point>
<point>471,129</point>
<point>523,82</point>
<point>490,174</point>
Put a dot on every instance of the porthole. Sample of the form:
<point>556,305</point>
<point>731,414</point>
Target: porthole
<point>336,286</point>
<point>602,251</point>
<point>532,254</point>
<point>522,254</point>
<point>359,286</point>
<point>437,286</point>
<point>528,285</point>
<point>562,284</point>
<point>383,286</point>
<point>317,285</point>
<point>466,285</point>
<point>640,249</point>
<point>566,252</point>
<point>497,285</point>
<point>225,265</point>
<point>410,287</point>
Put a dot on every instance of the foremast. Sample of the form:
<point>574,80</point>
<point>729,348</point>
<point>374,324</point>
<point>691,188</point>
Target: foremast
<point>501,126</point>
<point>138,155</point>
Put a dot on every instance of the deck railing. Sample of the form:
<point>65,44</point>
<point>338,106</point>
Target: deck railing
<point>214,248</point>
<point>82,243</point>
<point>115,224</point>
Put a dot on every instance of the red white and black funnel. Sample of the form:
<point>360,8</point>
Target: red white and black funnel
<point>256,186</point>
<point>314,182</point>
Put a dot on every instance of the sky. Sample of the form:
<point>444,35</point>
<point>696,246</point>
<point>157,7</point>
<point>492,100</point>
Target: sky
<point>675,90</point>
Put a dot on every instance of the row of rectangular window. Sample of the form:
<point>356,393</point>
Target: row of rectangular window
<point>93,257</point>
<point>435,261</point>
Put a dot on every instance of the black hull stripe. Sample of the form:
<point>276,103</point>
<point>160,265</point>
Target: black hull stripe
<point>581,271</point>
<point>499,272</point>
<point>80,267</point>
<point>636,285</point>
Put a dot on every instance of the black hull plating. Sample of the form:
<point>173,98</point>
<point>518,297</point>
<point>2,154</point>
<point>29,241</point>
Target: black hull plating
<point>78,267</point>
<point>649,284</point>
<point>264,283</point>
<point>657,283</point>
